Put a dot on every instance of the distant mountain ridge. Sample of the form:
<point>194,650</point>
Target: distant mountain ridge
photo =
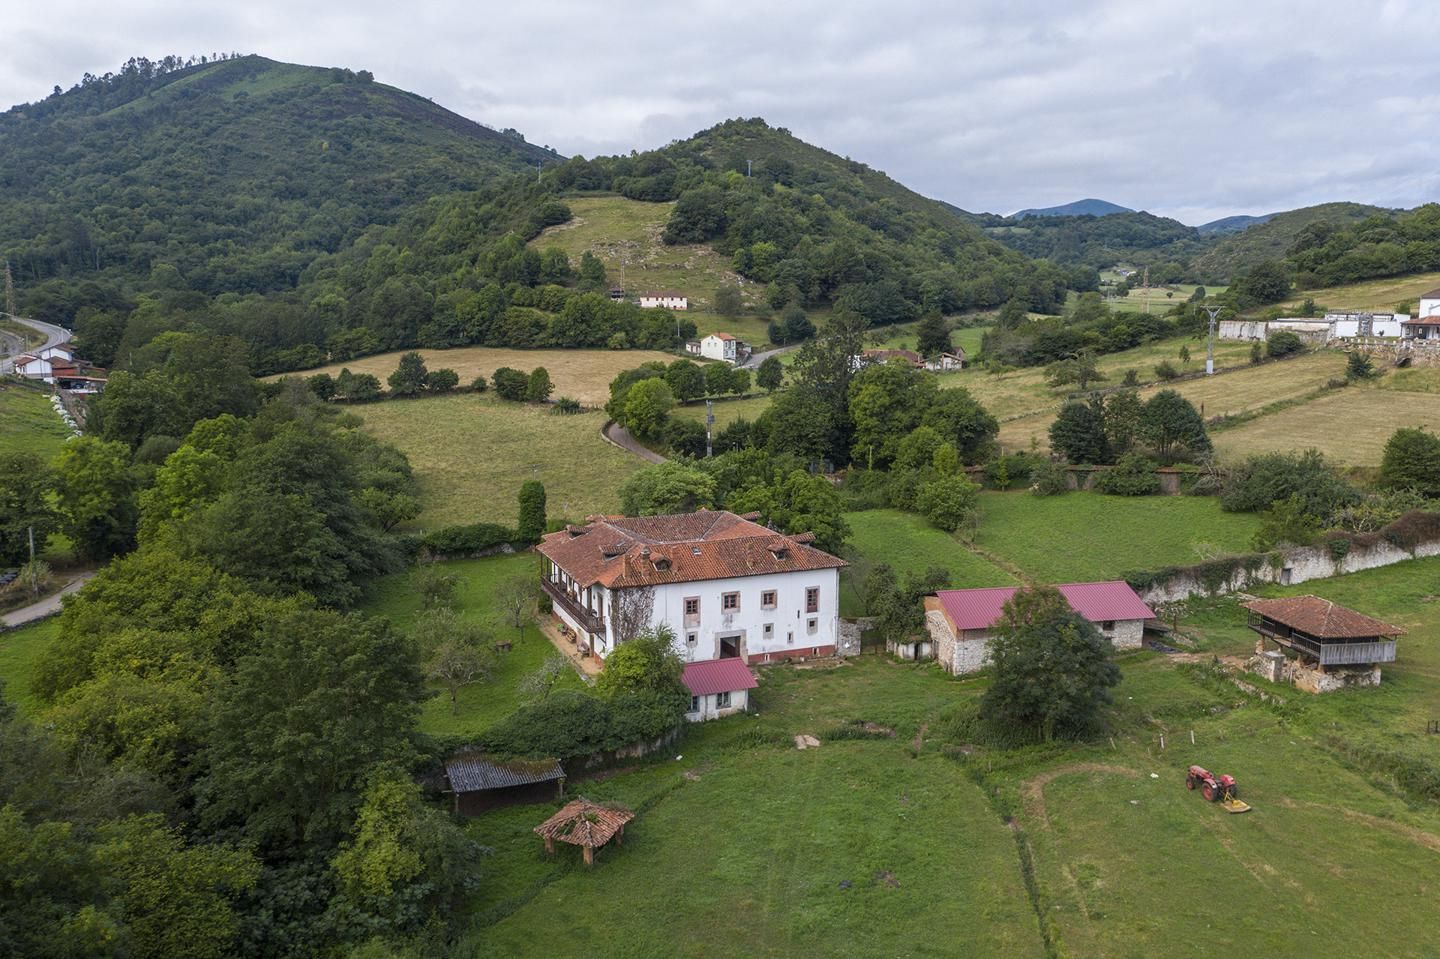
<point>1233,224</point>
<point>1087,207</point>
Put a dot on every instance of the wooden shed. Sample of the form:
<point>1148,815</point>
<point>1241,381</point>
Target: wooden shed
<point>480,782</point>
<point>586,824</point>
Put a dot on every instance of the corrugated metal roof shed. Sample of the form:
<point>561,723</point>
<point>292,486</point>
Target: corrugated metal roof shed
<point>717,676</point>
<point>474,772</point>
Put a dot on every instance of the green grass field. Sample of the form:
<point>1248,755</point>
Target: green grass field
<point>910,545</point>
<point>726,411</point>
<point>20,649</point>
<point>482,704</point>
<point>1090,536</point>
<point>471,453</point>
<point>28,424</point>
<point>584,375</point>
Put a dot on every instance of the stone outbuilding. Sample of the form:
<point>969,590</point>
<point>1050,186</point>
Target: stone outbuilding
<point>961,622</point>
<point>1320,646</point>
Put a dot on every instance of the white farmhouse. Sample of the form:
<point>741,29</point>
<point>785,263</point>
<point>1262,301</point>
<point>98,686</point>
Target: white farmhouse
<point>733,592</point>
<point>664,299</point>
<point>720,346</point>
<point>1429,304</point>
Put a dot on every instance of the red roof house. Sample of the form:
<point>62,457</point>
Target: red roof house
<point>961,621</point>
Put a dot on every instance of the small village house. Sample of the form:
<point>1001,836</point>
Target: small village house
<point>1320,646</point>
<point>723,346</point>
<point>961,622</point>
<point>729,589</point>
<point>944,363</point>
<point>665,300</point>
<point>1429,304</point>
<point>1424,328</point>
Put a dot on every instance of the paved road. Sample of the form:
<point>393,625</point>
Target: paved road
<point>757,358</point>
<point>46,606</point>
<point>54,336</point>
<point>620,436</point>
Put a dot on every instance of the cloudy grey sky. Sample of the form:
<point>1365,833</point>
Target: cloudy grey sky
<point>1192,110</point>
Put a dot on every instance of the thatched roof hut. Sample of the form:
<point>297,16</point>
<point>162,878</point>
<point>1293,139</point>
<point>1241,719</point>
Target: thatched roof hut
<point>586,824</point>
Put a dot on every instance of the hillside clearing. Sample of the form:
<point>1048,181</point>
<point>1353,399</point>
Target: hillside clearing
<point>28,423</point>
<point>471,453</point>
<point>911,546</point>
<point>1349,426</point>
<point>584,375</point>
<point>1381,295</point>
<point>625,235</point>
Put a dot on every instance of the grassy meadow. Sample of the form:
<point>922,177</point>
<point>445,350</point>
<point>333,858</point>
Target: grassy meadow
<point>911,546</point>
<point>471,453</point>
<point>1381,295</point>
<point>1349,426</point>
<point>20,650</point>
<point>625,235</point>
<point>584,375</point>
<point>482,704</point>
<point>28,423</point>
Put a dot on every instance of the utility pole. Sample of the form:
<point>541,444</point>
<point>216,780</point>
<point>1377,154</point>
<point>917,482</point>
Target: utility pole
<point>749,164</point>
<point>709,427</point>
<point>1214,311</point>
<point>9,290</point>
<point>539,165</point>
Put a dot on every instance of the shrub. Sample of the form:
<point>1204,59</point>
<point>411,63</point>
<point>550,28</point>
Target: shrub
<point>1283,343</point>
<point>1287,523</point>
<point>510,384</point>
<point>566,406</point>
<point>569,724</point>
<point>467,540</point>
<point>531,522</point>
<point>1051,479</point>
<point>1004,471</point>
<point>1165,370</point>
<point>441,381</point>
<point>947,502</point>
<point>1132,475</point>
<point>1262,480</point>
<point>1131,378</point>
<point>1411,461</point>
<point>478,385</point>
<point>538,387</point>
<point>1359,366</point>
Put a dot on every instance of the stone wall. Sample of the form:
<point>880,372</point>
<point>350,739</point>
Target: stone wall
<point>1310,677</point>
<point>1127,634</point>
<point>1296,566</point>
<point>848,637</point>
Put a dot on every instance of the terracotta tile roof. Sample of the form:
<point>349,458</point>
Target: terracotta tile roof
<point>1422,321</point>
<point>473,772</point>
<point>585,823</point>
<point>909,356</point>
<point>1097,602</point>
<point>619,552</point>
<point>722,336</point>
<point>1321,618</point>
<point>717,676</point>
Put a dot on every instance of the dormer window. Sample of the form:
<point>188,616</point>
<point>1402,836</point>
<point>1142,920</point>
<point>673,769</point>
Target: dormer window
<point>780,552</point>
<point>661,564</point>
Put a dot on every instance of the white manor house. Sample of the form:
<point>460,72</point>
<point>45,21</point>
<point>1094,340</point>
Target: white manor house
<point>733,592</point>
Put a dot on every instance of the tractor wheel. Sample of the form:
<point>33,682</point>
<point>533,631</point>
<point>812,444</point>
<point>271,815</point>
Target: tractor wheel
<point>1210,792</point>
<point>1190,783</point>
<point>1234,792</point>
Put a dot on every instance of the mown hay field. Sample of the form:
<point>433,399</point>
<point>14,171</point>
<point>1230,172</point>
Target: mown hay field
<point>584,375</point>
<point>471,453</point>
<point>1349,426</point>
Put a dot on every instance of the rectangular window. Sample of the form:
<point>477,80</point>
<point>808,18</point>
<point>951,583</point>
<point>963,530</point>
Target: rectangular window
<point>1108,625</point>
<point>694,704</point>
<point>767,599</point>
<point>692,610</point>
<point>722,700</point>
<point>692,638</point>
<point>729,602</point>
<point>769,630</point>
<point>812,599</point>
<point>812,624</point>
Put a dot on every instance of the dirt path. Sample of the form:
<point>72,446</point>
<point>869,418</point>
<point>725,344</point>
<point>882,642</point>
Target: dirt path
<point>1033,790</point>
<point>617,435</point>
<point>45,607</point>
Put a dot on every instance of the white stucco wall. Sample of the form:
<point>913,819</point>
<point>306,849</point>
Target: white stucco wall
<point>708,708</point>
<point>790,632</point>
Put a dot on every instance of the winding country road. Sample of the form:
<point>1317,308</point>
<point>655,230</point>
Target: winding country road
<point>617,435</point>
<point>54,336</point>
<point>48,606</point>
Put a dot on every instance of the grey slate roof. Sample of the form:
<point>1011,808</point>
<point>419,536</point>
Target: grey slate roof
<point>473,772</point>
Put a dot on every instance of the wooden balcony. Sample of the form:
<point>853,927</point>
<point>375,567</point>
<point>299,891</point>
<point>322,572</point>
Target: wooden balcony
<point>1335,653</point>
<point>572,607</point>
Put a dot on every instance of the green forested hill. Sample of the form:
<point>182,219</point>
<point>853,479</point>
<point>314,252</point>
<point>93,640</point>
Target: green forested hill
<point>1272,240</point>
<point>228,176</point>
<point>1099,241</point>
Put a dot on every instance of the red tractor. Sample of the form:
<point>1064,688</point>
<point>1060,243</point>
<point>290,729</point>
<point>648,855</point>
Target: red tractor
<point>1221,789</point>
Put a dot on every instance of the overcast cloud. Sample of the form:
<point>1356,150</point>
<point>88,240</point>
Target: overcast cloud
<point>1194,110</point>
